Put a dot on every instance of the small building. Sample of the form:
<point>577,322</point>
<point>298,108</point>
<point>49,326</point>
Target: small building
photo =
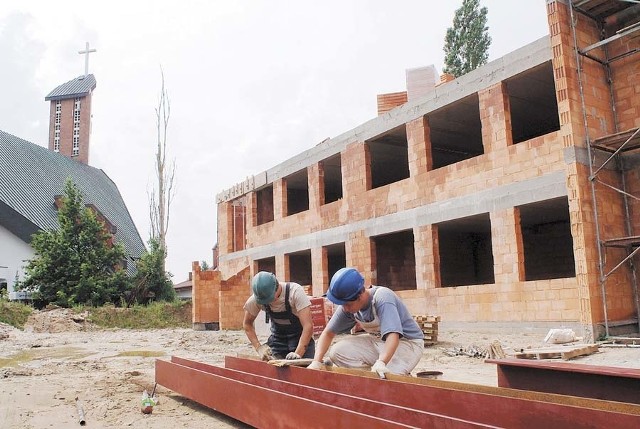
<point>183,289</point>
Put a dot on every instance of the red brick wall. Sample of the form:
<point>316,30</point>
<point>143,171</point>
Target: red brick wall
<point>204,295</point>
<point>233,293</point>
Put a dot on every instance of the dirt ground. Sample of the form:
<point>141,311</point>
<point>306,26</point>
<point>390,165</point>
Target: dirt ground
<point>60,357</point>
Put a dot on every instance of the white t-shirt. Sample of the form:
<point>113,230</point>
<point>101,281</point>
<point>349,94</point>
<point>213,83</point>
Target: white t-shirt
<point>298,300</point>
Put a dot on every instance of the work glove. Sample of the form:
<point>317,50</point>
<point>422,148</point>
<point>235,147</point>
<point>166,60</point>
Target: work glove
<point>380,368</point>
<point>264,351</point>
<point>316,365</point>
<point>292,356</point>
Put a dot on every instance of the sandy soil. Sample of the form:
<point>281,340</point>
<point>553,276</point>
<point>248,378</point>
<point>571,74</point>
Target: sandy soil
<point>60,357</point>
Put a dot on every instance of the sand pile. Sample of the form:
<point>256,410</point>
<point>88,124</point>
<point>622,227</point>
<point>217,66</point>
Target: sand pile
<point>57,320</point>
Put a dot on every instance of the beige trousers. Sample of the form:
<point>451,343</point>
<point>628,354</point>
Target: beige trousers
<point>362,351</point>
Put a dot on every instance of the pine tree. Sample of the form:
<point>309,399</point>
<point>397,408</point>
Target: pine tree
<point>467,42</point>
<point>78,263</point>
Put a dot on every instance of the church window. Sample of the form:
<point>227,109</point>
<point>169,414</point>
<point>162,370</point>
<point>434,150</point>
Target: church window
<point>56,134</point>
<point>76,128</point>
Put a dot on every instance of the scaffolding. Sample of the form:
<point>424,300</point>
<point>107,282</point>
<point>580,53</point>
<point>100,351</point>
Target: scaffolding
<point>617,147</point>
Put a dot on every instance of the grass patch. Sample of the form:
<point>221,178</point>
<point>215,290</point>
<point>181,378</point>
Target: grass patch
<point>156,315</point>
<point>14,313</point>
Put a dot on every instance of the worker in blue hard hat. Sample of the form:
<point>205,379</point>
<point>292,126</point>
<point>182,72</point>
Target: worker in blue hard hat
<point>288,308</point>
<point>394,342</point>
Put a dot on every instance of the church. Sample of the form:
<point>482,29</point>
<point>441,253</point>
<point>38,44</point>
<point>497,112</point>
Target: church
<point>32,179</point>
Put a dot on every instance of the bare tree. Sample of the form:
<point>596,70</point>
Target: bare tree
<point>160,198</point>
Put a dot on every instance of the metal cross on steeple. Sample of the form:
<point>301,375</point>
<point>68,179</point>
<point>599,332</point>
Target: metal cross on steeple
<point>86,53</point>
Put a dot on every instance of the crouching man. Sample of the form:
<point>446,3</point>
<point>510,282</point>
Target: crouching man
<point>288,308</point>
<point>394,342</point>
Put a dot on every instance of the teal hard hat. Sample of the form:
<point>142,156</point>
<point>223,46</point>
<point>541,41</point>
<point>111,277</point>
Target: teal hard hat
<point>346,285</point>
<point>264,287</point>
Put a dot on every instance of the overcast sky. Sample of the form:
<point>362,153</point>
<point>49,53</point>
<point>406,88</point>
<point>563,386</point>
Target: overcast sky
<point>251,83</point>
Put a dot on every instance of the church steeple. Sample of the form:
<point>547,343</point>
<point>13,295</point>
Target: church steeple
<point>70,114</point>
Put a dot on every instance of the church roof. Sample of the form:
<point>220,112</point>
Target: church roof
<point>32,176</point>
<point>77,87</point>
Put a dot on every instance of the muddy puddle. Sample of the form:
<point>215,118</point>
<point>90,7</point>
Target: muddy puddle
<point>31,355</point>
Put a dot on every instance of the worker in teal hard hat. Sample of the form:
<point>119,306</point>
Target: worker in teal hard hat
<point>288,308</point>
<point>393,341</point>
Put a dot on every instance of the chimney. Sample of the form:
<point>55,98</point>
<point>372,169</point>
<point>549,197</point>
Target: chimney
<point>420,81</point>
<point>446,77</point>
<point>391,100</point>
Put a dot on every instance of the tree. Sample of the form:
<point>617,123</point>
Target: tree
<point>151,282</point>
<point>161,197</point>
<point>78,263</point>
<point>467,42</point>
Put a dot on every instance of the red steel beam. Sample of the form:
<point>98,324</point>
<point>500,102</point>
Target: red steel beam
<point>482,404</point>
<point>407,416</point>
<point>257,406</point>
<point>274,404</point>
<point>565,378</point>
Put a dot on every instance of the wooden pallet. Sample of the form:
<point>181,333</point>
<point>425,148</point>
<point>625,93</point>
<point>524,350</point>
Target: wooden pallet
<point>565,352</point>
<point>429,326</point>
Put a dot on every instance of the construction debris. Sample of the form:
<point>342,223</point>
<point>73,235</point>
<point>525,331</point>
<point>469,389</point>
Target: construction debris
<point>560,336</point>
<point>493,351</point>
<point>80,409</point>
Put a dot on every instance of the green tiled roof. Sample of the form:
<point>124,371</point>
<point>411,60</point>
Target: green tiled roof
<point>77,87</point>
<point>30,178</point>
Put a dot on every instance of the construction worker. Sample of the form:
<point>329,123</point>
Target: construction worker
<point>393,342</point>
<point>288,308</point>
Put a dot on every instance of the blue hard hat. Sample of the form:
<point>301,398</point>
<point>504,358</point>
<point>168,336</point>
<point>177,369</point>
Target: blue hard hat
<point>264,287</point>
<point>346,284</point>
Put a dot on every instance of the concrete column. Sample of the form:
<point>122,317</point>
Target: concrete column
<point>356,170</point>
<point>427,257</point>
<point>419,146</point>
<point>360,254</point>
<point>279,199</point>
<point>495,116</point>
<point>282,267</point>
<point>252,210</point>
<point>225,228</point>
<point>315,175</point>
<point>506,242</point>
<point>319,274</point>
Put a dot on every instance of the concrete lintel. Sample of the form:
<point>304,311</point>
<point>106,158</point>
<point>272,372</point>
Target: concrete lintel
<point>540,188</point>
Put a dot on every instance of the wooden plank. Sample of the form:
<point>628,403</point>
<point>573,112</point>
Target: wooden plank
<point>291,362</point>
<point>565,353</point>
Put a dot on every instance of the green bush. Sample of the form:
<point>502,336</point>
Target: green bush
<point>14,313</point>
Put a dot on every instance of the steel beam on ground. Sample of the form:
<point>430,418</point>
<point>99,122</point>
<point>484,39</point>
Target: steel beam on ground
<point>490,405</point>
<point>408,416</point>
<point>263,402</point>
<point>565,378</point>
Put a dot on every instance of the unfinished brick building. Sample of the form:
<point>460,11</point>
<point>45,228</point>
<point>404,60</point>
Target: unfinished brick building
<point>507,196</point>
